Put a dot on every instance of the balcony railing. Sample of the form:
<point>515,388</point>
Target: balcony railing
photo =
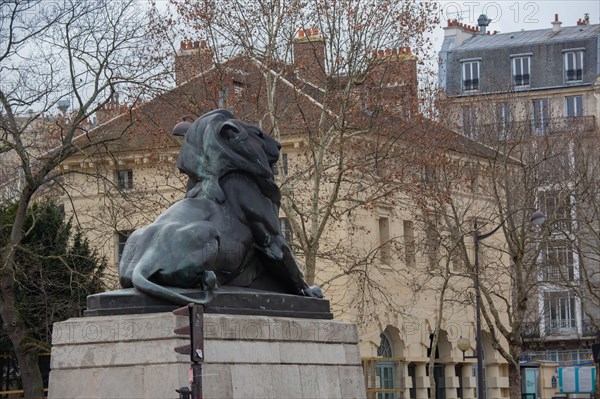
<point>561,327</point>
<point>530,127</point>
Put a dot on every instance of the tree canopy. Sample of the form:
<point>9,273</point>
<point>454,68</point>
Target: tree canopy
<point>56,270</point>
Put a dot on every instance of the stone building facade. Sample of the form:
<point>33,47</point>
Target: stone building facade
<point>539,91</point>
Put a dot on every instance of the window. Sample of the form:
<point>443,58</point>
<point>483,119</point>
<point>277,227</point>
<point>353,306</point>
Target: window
<point>409,243</point>
<point>286,229</point>
<point>474,171</point>
<point>230,94</point>
<point>520,71</point>
<point>125,179</point>
<point>573,66</point>
<point>558,262</point>
<point>122,237</point>
<point>470,76</point>
<point>412,375</point>
<point>432,244</point>
<point>281,165</point>
<point>469,121</point>
<point>573,106</point>
<point>429,176</point>
<point>223,99</point>
<point>541,115</point>
<point>504,118</point>
<point>385,370</point>
<point>557,208</point>
<point>238,91</point>
<point>384,240</point>
<point>560,312</point>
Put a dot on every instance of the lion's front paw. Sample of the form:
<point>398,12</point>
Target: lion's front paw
<point>313,291</point>
<point>273,251</point>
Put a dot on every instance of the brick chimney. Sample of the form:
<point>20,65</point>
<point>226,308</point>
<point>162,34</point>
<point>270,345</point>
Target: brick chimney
<point>556,24</point>
<point>396,69</point>
<point>192,59</point>
<point>110,110</point>
<point>309,55</point>
<point>459,32</point>
<point>584,21</point>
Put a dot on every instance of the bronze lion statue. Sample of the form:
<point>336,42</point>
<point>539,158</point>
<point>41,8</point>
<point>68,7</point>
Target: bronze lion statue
<point>226,230</point>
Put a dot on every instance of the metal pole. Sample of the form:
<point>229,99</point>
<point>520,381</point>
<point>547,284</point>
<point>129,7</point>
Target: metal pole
<point>481,393</point>
<point>197,380</point>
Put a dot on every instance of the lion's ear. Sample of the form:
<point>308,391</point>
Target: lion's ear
<point>231,130</point>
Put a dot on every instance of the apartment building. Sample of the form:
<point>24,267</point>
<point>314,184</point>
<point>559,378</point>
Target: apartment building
<point>536,93</point>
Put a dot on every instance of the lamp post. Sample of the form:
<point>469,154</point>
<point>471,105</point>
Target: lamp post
<point>537,218</point>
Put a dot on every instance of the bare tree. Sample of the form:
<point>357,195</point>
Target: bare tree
<point>81,51</point>
<point>329,86</point>
<point>532,166</point>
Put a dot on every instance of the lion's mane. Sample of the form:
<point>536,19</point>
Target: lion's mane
<point>206,155</point>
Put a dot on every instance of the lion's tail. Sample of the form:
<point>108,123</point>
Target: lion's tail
<point>143,284</point>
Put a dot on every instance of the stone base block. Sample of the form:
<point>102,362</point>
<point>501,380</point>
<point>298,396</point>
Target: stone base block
<point>132,356</point>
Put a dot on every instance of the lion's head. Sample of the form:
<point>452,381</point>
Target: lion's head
<point>217,144</point>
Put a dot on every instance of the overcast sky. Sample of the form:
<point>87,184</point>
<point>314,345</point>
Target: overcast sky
<point>510,16</point>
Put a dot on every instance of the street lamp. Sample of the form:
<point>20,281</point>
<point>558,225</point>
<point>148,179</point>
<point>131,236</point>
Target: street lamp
<point>537,218</point>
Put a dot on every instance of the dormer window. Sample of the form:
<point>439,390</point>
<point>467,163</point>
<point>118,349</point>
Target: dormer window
<point>574,66</point>
<point>223,97</point>
<point>520,71</point>
<point>470,76</point>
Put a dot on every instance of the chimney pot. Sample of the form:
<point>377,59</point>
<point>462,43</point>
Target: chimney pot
<point>203,44</point>
<point>387,52</point>
<point>556,24</point>
<point>394,51</point>
<point>182,45</point>
<point>380,54</point>
<point>301,33</point>
<point>196,44</point>
<point>374,54</point>
<point>315,31</point>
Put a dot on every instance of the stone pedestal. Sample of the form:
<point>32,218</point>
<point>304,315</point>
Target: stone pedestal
<point>132,356</point>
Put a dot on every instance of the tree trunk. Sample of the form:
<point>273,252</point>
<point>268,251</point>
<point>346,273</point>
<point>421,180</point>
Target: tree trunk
<point>12,322</point>
<point>31,376</point>
<point>310,264</point>
<point>514,378</point>
<point>432,385</point>
<point>18,333</point>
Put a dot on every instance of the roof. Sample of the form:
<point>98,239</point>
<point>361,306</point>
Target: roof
<point>148,126</point>
<point>529,37</point>
<point>432,134</point>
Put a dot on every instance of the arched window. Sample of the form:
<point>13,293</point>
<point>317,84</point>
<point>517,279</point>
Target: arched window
<point>386,368</point>
<point>385,346</point>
